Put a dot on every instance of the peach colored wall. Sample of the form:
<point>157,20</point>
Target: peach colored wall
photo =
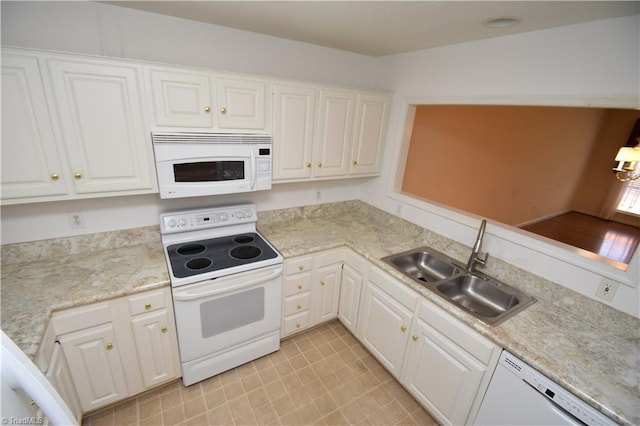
<point>598,179</point>
<point>514,164</point>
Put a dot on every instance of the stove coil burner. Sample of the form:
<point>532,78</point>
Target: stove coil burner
<point>199,263</point>
<point>244,239</point>
<point>191,249</point>
<point>245,252</point>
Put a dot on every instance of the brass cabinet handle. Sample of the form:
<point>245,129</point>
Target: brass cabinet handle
<point>299,286</point>
<point>415,338</point>
<point>355,162</point>
<point>109,346</point>
<point>164,329</point>
<point>77,175</point>
<point>223,110</point>
<point>297,325</point>
<point>207,109</point>
<point>321,282</point>
<point>300,268</point>
<point>147,306</point>
<point>309,165</point>
<point>403,328</point>
<point>54,176</point>
<point>319,164</point>
<point>299,306</point>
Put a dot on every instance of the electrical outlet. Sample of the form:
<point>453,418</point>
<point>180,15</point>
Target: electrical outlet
<point>318,195</point>
<point>607,289</point>
<point>76,220</point>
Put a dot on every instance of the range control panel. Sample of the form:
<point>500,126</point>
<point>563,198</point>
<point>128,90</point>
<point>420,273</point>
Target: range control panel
<point>214,217</point>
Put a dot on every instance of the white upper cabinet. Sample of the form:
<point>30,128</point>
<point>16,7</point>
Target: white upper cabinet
<point>31,162</point>
<point>370,129</point>
<point>185,98</point>
<point>293,126</point>
<point>327,133</point>
<point>242,104</point>
<point>179,98</point>
<point>99,105</point>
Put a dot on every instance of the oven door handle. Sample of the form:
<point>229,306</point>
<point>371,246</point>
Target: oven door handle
<point>184,294</point>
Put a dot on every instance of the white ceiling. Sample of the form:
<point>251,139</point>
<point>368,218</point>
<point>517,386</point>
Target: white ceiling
<point>379,28</point>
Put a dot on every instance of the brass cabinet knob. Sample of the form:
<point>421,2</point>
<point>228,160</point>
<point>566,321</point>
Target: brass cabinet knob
<point>54,176</point>
<point>164,329</point>
<point>207,109</point>
<point>299,286</point>
<point>309,165</point>
<point>297,325</point>
<point>77,175</point>
<point>300,268</point>
<point>403,328</point>
<point>355,162</point>
<point>415,338</point>
<point>109,346</point>
<point>319,164</point>
<point>299,306</point>
<point>223,110</point>
<point>147,306</point>
<point>321,282</point>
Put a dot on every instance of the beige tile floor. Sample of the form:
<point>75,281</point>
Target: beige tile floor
<point>323,376</point>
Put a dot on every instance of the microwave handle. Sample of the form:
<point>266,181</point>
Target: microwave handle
<point>253,169</point>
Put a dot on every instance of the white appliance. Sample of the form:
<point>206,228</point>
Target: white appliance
<point>22,384</point>
<point>202,164</point>
<point>520,395</point>
<point>226,283</point>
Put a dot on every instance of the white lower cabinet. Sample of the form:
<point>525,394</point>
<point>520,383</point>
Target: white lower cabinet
<point>385,318</point>
<point>59,374</point>
<point>119,348</point>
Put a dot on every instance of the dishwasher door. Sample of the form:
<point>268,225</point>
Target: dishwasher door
<point>520,395</point>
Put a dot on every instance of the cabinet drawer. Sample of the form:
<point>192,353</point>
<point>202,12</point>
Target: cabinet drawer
<point>298,303</point>
<point>298,265</point>
<point>296,323</point>
<point>147,302</point>
<point>75,319</point>
<point>297,284</point>
<point>458,332</point>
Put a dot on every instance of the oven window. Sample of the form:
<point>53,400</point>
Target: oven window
<point>231,312</point>
<point>208,171</point>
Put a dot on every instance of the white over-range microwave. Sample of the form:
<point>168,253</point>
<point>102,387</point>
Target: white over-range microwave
<point>201,164</point>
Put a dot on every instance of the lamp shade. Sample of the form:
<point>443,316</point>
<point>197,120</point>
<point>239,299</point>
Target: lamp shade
<point>628,155</point>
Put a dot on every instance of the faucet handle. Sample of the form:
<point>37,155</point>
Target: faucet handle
<point>482,258</point>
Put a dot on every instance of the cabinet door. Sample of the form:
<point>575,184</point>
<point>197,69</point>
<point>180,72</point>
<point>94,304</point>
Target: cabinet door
<point>350,289</point>
<point>97,371</point>
<point>180,98</point>
<point>294,117</point>
<point>326,292</point>
<point>59,375</point>
<point>440,375</point>
<point>371,118</point>
<point>334,133</point>
<point>156,345</point>
<point>100,112</point>
<point>31,165</point>
<point>384,327</point>
<point>241,104</point>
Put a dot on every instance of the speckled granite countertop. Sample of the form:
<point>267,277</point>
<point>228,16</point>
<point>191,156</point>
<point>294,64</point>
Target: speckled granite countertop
<point>589,348</point>
<point>45,276</point>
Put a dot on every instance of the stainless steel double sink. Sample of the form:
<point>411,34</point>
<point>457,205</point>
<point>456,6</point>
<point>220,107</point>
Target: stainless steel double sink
<point>484,297</point>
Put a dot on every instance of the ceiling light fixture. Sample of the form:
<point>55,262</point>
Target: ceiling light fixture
<point>501,22</point>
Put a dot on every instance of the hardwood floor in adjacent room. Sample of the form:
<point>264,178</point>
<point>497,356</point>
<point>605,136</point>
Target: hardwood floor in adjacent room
<point>609,239</point>
<point>323,376</point>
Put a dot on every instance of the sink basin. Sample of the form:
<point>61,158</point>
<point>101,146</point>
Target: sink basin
<point>424,264</point>
<point>482,296</point>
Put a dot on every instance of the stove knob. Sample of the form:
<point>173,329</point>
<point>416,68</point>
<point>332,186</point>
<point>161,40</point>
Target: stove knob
<point>182,222</point>
<point>224,217</point>
<point>240,214</point>
<point>171,223</point>
<point>247,213</point>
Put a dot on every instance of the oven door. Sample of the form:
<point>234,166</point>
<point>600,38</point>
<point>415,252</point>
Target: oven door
<point>190,170</point>
<point>217,314</point>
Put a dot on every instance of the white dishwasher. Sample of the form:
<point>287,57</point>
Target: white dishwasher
<point>520,395</point>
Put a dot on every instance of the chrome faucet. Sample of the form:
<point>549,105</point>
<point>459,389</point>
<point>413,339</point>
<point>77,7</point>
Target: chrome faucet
<point>476,256</point>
